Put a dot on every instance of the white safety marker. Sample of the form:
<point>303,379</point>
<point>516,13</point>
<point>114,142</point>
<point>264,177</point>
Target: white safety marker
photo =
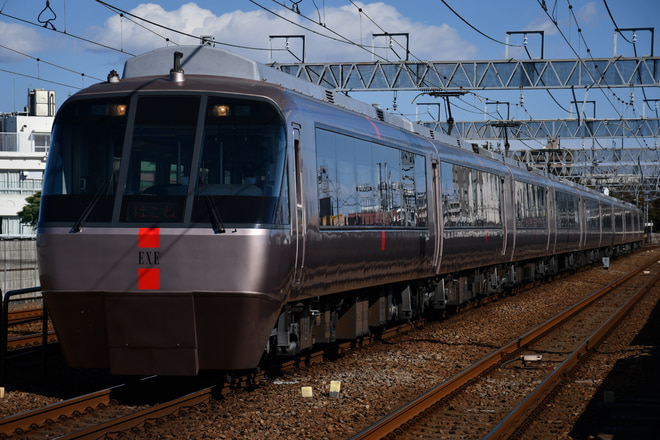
<point>335,385</point>
<point>307,391</point>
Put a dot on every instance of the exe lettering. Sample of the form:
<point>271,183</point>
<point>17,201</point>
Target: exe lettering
<point>148,258</point>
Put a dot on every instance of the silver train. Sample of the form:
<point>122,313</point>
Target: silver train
<point>205,211</point>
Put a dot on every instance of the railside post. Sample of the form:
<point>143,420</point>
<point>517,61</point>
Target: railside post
<point>4,328</point>
<point>44,336</point>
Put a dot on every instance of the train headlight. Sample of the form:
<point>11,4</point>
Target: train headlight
<point>117,109</point>
<point>220,111</point>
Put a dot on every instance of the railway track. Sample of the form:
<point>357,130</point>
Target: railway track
<point>98,414</point>
<point>502,393</point>
<point>24,315</point>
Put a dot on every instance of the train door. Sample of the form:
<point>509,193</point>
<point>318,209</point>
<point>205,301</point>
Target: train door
<point>600,223</point>
<point>582,219</point>
<point>299,217</point>
<point>439,224</point>
<point>549,208</point>
<point>552,219</point>
<point>508,216</point>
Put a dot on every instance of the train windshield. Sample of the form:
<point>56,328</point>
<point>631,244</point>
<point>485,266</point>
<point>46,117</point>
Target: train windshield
<point>208,161</point>
<point>241,173</point>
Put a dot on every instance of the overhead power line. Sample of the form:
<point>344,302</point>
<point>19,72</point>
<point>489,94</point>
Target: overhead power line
<point>340,39</point>
<point>474,28</point>
<point>40,79</point>
<point>167,28</point>
<point>68,34</point>
<point>614,22</point>
<point>39,60</point>
<point>602,76</point>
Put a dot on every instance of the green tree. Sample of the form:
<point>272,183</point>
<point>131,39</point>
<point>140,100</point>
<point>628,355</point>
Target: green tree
<point>29,215</point>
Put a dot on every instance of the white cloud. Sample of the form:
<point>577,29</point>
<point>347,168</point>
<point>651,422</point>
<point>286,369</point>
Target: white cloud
<point>588,14</point>
<point>252,29</point>
<point>19,38</point>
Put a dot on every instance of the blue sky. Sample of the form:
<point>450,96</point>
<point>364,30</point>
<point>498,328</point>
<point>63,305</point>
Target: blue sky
<point>76,37</point>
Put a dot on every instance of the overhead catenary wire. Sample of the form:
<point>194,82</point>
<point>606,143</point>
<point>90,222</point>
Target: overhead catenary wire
<point>616,28</point>
<point>135,22</point>
<point>186,34</point>
<point>321,23</point>
<point>473,27</point>
<point>584,40</point>
<point>342,38</point>
<point>363,12</point>
<point>39,60</point>
<point>542,82</point>
<point>40,79</point>
<point>68,34</point>
<point>561,32</point>
<point>602,74</point>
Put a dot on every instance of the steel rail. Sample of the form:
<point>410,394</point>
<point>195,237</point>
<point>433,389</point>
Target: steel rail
<point>32,340</point>
<point>518,417</point>
<point>138,418</point>
<point>424,403</point>
<point>25,316</point>
<point>25,420</point>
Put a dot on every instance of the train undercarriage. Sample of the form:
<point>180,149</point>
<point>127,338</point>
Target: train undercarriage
<point>349,315</point>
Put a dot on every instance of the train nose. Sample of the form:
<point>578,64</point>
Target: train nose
<point>166,333</point>
<point>181,333</point>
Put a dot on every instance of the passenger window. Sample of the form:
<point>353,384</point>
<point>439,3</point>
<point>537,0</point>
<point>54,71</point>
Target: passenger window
<point>470,198</point>
<point>531,208</point>
<point>567,210</point>
<point>362,183</point>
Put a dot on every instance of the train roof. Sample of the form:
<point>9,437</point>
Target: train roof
<point>206,60</point>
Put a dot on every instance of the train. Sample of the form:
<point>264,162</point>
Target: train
<point>205,212</point>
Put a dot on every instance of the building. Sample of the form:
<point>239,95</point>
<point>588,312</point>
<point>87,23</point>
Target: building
<point>24,142</point>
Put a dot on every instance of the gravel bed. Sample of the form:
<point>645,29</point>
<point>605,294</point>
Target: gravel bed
<point>377,379</point>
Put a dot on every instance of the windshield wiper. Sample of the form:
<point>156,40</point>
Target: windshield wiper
<point>77,226</point>
<point>214,215</point>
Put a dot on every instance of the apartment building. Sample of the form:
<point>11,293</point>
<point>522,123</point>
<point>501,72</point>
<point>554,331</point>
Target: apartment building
<point>24,142</point>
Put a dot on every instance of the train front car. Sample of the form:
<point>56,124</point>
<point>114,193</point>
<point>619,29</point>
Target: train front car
<point>165,238</point>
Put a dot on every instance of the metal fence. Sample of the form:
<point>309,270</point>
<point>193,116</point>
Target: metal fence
<point>18,268</point>
<point>652,238</point>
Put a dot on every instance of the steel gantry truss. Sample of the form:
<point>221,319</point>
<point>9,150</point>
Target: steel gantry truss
<point>551,128</point>
<point>479,75</point>
<point>631,171</point>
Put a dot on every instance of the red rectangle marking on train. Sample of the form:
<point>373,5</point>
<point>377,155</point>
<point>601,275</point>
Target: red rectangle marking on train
<point>148,279</point>
<point>149,238</point>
